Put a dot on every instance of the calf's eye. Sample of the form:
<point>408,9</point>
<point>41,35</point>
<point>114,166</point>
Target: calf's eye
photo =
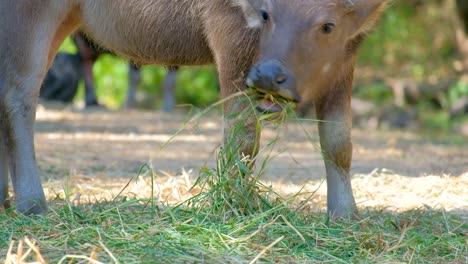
<point>265,16</point>
<point>327,28</point>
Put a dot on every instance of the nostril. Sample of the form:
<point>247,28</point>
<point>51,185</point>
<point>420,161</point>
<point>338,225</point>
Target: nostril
<point>281,78</point>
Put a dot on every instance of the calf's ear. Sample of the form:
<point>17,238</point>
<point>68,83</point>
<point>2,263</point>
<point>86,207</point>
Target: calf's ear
<point>364,14</point>
<point>250,8</point>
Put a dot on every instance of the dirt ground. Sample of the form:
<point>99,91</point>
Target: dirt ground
<point>99,151</point>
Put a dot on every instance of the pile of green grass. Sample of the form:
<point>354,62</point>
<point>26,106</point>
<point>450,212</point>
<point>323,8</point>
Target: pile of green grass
<point>130,231</point>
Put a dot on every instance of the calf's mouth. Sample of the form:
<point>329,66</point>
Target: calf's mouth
<point>273,101</point>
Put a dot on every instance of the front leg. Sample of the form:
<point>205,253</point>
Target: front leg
<point>169,89</point>
<point>90,91</point>
<point>241,131</point>
<point>134,78</point>
<point>334,112</point>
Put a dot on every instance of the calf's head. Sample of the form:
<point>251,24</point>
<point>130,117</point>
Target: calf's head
<point>304,44</point>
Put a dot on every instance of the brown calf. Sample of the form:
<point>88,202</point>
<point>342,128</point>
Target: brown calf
<point>292,48</point>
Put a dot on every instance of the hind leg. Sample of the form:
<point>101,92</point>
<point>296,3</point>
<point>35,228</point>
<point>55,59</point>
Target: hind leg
<point>3,174</point>
<point>26,51</point>
<point>17,110</point>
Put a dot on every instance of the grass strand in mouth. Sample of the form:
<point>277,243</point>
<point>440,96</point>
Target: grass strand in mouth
<point>273,107</point>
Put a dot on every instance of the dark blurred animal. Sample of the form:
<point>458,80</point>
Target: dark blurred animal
<point>283,48</point>
<point>62,79</point>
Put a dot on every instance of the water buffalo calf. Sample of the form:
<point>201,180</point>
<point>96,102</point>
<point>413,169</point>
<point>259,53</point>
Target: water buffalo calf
<point>290,48</point>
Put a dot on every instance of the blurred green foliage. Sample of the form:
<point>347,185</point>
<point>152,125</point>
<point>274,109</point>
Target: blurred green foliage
<point>196,86</point>
<point>458,90</point>
<point>414,39</point>
<point>377,91</point>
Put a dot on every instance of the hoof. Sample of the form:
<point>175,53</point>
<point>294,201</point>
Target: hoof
<point>29,207</point>
<point>344,212</point>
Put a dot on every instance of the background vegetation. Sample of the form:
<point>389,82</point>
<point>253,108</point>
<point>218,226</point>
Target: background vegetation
<point>414,41</point>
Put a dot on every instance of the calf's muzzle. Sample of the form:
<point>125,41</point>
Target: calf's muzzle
<point>271,77</point>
